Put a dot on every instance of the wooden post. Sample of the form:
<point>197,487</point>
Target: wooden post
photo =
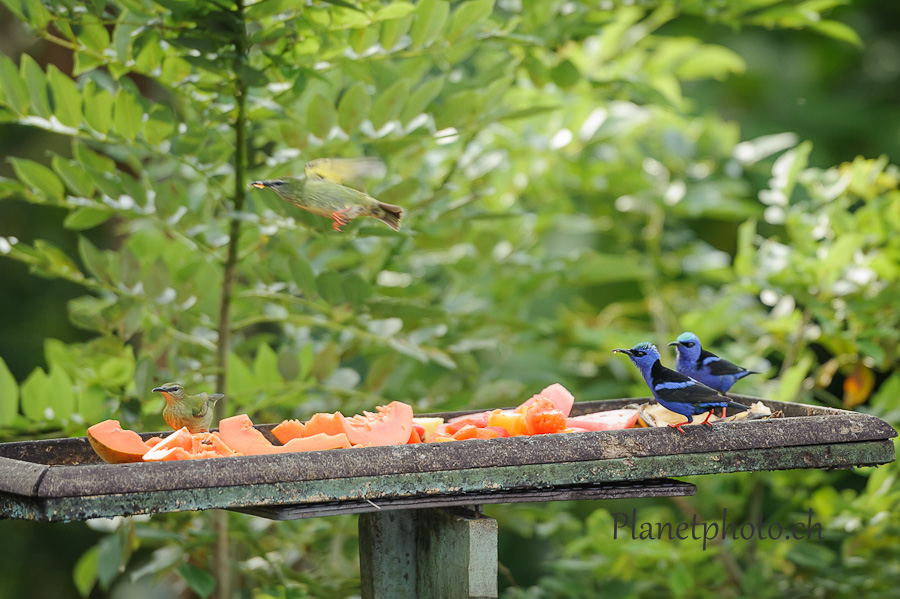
<point>441,553</point>
<point>387,554</point>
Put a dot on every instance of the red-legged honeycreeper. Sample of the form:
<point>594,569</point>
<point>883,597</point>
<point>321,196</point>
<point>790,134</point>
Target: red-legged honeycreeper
<point>704,366</point>
<point>321,191</point>
<point>193,411</point>
<point>675,391</point>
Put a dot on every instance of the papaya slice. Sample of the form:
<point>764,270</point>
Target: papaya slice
<point>116,445</point>
<point>238,433</point>
<point>391,425</point>
<point>287,430</point>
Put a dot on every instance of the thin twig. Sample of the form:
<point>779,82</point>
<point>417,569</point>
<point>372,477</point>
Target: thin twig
<point>222,558</point>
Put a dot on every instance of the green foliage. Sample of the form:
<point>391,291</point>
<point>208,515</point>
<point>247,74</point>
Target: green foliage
<point>562,197</point>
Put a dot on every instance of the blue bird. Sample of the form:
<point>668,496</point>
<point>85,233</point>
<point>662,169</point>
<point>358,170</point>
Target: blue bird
<point>675,391</point>
<point>704,366</point>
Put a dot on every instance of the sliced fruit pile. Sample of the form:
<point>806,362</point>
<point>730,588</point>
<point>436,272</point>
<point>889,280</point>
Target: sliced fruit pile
<point>545,413</point>
<point>393,424</point>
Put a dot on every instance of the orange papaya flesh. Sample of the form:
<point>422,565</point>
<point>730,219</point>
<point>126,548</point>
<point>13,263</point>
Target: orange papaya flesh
<point>238,433</point>
<point>287,430</point>
<point>116,445</point>
<point>391,425</point>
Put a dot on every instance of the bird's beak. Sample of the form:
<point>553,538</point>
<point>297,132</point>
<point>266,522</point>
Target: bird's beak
<point>622,351</point>
<point>161,390</point>
<point>674,343</point>
<point>260,184</point>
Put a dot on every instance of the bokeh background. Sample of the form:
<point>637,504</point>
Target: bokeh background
<point>576,176</point>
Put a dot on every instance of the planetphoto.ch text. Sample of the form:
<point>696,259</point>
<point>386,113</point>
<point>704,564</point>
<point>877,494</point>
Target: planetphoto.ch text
<point>630,526</point>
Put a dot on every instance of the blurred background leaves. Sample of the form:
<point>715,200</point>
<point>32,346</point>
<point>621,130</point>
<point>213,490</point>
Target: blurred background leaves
<point>575,179</point>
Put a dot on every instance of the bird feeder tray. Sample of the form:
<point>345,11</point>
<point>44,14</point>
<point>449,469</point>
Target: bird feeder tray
<point>64,480</point>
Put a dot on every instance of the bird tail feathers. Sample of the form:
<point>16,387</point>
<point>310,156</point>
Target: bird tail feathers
<point>389,215</point>
<point>738,406</point>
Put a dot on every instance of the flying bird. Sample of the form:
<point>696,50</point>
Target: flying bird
<point>704,366</point>
<point>675,391</point>
<point>193,411</point>
<point>321,191</point>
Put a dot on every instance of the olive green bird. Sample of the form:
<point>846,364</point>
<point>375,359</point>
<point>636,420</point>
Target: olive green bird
<point>321,191</point>
<point>193,411</point>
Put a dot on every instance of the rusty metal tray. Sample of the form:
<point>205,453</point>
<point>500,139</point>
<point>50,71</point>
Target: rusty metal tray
<point>62,479</point>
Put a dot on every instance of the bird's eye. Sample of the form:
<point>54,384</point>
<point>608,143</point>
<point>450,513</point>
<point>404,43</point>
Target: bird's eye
<point>639,353</point>
<point>689,344</point>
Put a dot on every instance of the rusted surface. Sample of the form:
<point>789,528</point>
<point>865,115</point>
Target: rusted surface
<point>63,479</point>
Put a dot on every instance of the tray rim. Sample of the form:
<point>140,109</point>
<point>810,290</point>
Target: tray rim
<point>825,426</point>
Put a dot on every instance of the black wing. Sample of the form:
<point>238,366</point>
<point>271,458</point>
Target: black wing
<point>717,366</point>
<point>676,387</point>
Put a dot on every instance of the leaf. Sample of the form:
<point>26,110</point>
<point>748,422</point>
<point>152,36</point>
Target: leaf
<point>93,259</point>
<point>160,124</point>
<point>392,31</point>
<point>565,74</point>
<point>789,165</point>
<point>117,371</point>
<point>389,103</point>
<point>98,107</point>
<point>9,396</point>
<point>811,555</point>
<point>93,34</point>
<point>265,365</point>
<point>240,378</point>
<point>837,30</point>
<point>330,288</point>
<point>66,97</point>
<point>62,397</point>
<point>468,14</point>
<point>201,582</point>
<point>37,86</point>
<point>460,109</point>
<point>127,114</point>
<point>35,396</point>
<point>87,218</point>
<point>13,87</point>
<point>395,10</point>
<point>55,261</point>
<point>320,116</point>
<point>109,560</point>
<point>74,176</point>
<point>344,4</point>
<point>354,107</point>
<point>39,177</point>
<point>858,386</point>
<point>85,572</point>
<point>421,97</point>
<point>356,291</point>
<point>91,403</point>
<point>325,362</point>
<point>710,61</point>
<point>306,358</point>
<point>303,276</point>
<point>430,18</point>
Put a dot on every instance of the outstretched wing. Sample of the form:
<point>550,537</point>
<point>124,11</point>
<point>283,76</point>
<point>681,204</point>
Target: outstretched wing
<point>716,365</point>
<point>337,170</point>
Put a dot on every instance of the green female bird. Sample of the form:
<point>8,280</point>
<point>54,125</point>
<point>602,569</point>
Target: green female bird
<point>321,192</point>
<point>193,411</point>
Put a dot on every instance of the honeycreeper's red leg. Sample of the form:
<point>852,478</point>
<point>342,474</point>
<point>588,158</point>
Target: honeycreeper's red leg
<point>723,411</point>
<point>679,425</point>
<point>707,422</point>
<point>339,220</point>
